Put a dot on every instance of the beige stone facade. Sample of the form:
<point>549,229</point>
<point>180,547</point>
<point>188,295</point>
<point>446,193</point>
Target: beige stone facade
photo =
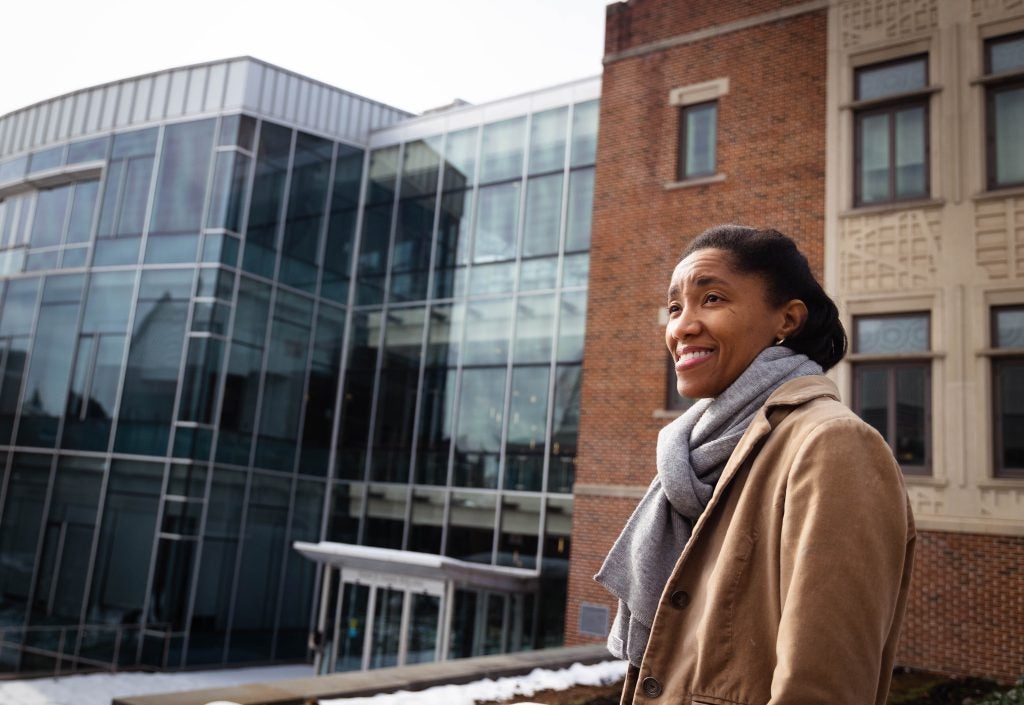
<point>952,255</point>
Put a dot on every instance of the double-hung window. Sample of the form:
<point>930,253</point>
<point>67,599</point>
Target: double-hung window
<point>892,383</point>
<point>698,126</point>
<point>891,131</point>
<point>1008,390</point>
<point>1004,110</point>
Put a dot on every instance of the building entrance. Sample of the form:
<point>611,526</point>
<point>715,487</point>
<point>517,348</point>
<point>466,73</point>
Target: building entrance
<point>383,607</point>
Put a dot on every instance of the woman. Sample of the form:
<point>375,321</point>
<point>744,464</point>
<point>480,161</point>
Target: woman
<point>769,560</point>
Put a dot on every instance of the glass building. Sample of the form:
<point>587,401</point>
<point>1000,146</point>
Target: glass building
<point>240,309</point>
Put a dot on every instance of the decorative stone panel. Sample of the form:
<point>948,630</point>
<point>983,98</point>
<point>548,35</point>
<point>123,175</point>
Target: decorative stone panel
<point>999,237</point>
<point>869,21</point>
<point>891,252</point>
<point>1001,503</point>
<point>986,8</point>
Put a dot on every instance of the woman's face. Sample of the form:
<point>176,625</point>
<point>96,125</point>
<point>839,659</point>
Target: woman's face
<point>719,319</point>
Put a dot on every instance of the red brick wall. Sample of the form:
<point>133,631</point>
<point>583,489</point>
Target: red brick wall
<point>771,149</point>
<point>966,610</point>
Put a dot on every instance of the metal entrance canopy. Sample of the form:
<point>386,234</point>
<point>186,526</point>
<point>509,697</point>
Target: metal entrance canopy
<point>408,571</point>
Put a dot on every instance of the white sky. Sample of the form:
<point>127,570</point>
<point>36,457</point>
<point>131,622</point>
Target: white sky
<point>413,54</point>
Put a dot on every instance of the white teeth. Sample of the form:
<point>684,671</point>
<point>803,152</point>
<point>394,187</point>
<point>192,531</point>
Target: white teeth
<point>686,357</point>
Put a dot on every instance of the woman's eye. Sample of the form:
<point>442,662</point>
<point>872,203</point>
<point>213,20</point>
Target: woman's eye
<point>674,308</point>
<point>712,298</point>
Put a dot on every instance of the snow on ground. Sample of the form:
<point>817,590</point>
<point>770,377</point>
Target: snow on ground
<point>501,689</point>
<point>99,688</point>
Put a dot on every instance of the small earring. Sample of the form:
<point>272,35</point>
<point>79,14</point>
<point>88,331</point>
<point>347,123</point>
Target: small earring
<point>781,340</point>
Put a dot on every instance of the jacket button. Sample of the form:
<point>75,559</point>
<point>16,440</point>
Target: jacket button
<point>680,599</point>
<point>651,686</point>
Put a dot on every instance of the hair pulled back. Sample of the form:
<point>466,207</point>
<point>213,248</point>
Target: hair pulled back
<point>775,258</point>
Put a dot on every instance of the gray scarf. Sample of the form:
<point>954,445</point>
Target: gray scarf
<point>692,452</point>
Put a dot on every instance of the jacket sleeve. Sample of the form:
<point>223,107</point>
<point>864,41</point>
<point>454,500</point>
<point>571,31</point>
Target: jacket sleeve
<point>843,547</point>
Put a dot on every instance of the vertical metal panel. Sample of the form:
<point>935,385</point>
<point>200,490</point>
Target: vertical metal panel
<point>280,90</point>
<point>291,100</point>
<point>92,120</point>
<point>215,87</point>
<point>267,90</point>
<point>196,90</point>
<point>321,108</point>
<point>253,77</point>
<point>125,103</point>
<point>342,120</point>
<point>19,132</point>
<point>28,120</point>
<point>303,107</point>
<point>143,94</point>
<point>158,100</point>
<point>4,123</point>
<point>234,84</point>
<point>176,94</point>
<point>41,124</point>
<point>111,96</point>
<point>333,109</point>
<point>78,112</point>
<point>67,109</point>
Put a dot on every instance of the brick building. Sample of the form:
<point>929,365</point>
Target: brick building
<point>859,128</point>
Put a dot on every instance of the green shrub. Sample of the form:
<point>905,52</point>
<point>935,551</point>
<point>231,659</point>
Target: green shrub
<point>1014,696</point>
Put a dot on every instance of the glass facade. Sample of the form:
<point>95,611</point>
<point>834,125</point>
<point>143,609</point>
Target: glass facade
<point>226,334</point>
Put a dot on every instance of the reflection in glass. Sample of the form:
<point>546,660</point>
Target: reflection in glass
<point>891,334</point>
<point>873,397</point>
<point>520,531</point>
<point>1008,377</point>
<point>51,214</point>
<point>346,511</point>
<point>353,627</point>
<point>387,621</point>
<point>892,78</point>
<point>181,183</point>
<point>460,159</point>
<point>528,412</point>
<point>1009,327</point>
<point>385,515</point>
<point>565,423</point>
<point>410,259</point>
<point>543,215</point>
<point>311,169</point>
<point>501,152</point>
<point>700,131</point>
<point>427,521</point>
<point>396,395</point>
<point>584,133</point>
<point>283,382</point>
<point>19,531</point>
<point>535,321</point>
<point>488,325</point>
<point>494,278</point>
<point>497,222</point>
<point>911,415</point>
<point>83,205</point>
<point>874,158</point>
<point>1008,152</point>
<point>348,172</point>
<point>230,176</point>
<point>267,195</point>
<point>371,264</point>
<point>910,149</point>
<point>547,140</point>
<point>419,167</point>
<point>478,439</point>
<point>581,206</point>
<point>571,326</point>
<point>364,341</point>
<point>471,526</point>
<point>423,617</point>
<point>324,379</point>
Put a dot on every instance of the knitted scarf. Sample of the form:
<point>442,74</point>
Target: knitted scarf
<point>692,452</point>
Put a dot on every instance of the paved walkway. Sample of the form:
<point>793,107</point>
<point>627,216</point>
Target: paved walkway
<point>302,691</point>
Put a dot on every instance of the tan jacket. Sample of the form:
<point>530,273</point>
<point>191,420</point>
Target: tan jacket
<point>793,585</point>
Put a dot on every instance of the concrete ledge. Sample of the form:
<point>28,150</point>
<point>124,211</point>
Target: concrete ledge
<point>301,691</point>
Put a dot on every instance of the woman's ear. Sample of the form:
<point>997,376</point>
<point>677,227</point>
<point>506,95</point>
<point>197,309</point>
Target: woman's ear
<point>794,315</point>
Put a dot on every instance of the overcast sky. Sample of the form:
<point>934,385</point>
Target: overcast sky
<point>413,54</point>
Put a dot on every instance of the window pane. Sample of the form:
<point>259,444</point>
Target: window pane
<point>108,302</point>
<point>51,212</point>
<point>230,176</point>
<point>534,329</point>
<point>874,158</point>
<point>364,341</point>
<point>878,81</point>
<point>453,232</point>
<point>911,415</point>
<point>267,194</point>
<point>584,133</point>
<point>481,408</point>
<point>1009,328</point>
<point>320,394</point>
<point>87,150</point>
<point>471,526</point>
<point>348,172</point>
<point>571,326</point>
<point>385,515</point>
<point>528,413</point>
<point>383,172</point>
<point>1009,138</point>
<point>547,140</point>
<point>501,155</point>
<point>891,334</point>
<point>460,159</point>
<point>910,152</point>
<point>181,184</point>
<point>307,203</point>
<point>82,208</point>
<point>581,207</point>
<point>543,215</point>
<point>1006,54</point>
<point>488,324</point>
<point>19,531</point>
<point>19,306</point>
<point>373,254</point>
<point>419,167</point>
<point>872,394</point>
<point>427,520</point>
<point>435,433</point>
<point>496,223</point>
<point>565,422</point>
<point>410,260</point>
<point>520,530</point>
<point>700,139</point>
<point>1009,377</point>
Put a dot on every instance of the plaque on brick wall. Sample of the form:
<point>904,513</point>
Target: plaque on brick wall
<point>593,619</point>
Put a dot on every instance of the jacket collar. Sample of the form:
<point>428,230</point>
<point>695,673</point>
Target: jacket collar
<point>790,394</point>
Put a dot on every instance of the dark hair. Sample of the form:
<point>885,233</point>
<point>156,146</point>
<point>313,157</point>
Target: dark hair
<point>776,259</point>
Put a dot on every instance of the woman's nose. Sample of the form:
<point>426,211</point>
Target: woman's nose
<point>685,325</point>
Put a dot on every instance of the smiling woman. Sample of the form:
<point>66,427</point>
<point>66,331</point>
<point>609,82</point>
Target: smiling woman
<point>769,560</point>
